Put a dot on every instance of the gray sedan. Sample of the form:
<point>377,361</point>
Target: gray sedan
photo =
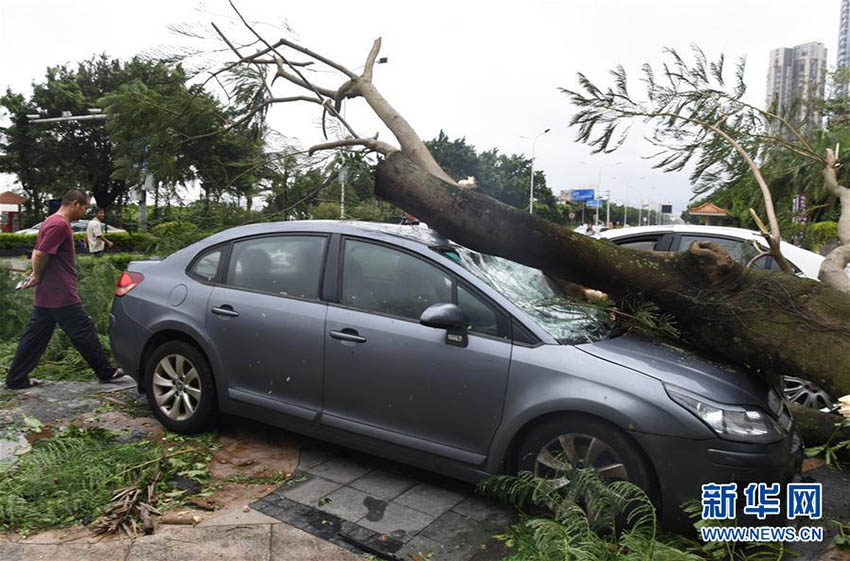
<point>395,341</point>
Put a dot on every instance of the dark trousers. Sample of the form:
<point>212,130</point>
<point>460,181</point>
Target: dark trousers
<point>76,323</point>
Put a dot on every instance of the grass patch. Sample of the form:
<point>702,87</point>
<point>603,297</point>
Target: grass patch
<point>72,478</point>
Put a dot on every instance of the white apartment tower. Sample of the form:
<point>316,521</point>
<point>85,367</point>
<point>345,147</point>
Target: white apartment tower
<point>843,59</point>
<point>796,76</point>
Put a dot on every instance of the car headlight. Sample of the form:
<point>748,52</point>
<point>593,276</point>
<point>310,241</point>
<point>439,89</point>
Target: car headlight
<point>732,422</point>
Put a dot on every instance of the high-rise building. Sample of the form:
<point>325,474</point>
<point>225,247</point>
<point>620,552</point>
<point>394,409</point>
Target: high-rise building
<point>795,78</point>
<point>843,59</point>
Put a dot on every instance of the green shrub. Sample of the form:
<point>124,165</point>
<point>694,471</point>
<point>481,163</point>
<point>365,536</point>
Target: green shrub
<point>16,241</point>
<point>96,285</point>
<point>138,242</point>
<point>824,233</point>
<point>326,211</point>
<point>172,236</point>
<point>374,211</point>
<point>118,260</point>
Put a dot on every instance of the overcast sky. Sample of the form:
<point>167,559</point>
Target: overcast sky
<point>489,71</point>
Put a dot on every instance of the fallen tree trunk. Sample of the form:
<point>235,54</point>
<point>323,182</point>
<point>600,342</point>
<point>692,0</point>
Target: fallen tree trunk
<point>817,427</point>
<point>776,323</point>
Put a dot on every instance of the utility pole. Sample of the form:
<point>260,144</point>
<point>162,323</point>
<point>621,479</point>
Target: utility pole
<point>342,173</point>
<point>607,207</point>
<point>531,189</point>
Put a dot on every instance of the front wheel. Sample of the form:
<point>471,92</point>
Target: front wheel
<point>179,387</point>
<point>555,447</point>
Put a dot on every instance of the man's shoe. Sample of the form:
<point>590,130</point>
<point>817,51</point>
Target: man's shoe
<point>117,375</point>
<point>31,383</point>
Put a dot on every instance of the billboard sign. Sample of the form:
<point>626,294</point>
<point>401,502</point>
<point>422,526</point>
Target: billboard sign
<point>583,195</point>
<point>666,209</point>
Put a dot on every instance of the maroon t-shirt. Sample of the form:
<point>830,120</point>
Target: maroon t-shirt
<point>58,286</point>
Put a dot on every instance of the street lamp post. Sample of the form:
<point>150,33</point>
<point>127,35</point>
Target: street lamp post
<point>531,188</point>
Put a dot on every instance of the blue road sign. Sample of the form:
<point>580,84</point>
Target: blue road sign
<point>595,203</point>
<point>583,194</point>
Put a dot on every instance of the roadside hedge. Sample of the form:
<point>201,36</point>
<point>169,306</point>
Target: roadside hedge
<point>131,242</point>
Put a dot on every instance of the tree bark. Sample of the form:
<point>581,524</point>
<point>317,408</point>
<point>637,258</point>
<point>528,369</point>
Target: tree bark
<point>773,323</point>
<point>817,427</point>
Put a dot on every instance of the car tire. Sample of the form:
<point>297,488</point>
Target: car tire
<point>582,437</point>
<point>179,387</point>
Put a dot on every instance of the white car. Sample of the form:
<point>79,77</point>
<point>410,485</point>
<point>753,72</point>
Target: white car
<point>739,243</point>
<point>77,226</point>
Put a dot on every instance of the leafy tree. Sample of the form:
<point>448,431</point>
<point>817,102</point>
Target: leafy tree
<point>503,177</point>
<point>25,152</point>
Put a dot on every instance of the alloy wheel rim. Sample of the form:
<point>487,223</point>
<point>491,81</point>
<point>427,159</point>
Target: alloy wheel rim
<point>177,387</point>
<point>571,451</point>
<point>805,393</point>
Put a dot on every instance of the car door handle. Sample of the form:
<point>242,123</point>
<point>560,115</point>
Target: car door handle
<point>225,310</point>
<point>348,335</point>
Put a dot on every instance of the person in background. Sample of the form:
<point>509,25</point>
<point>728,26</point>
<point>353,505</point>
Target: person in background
<point>590,230</point>
<point>54,276</point>
<point>94,234</point>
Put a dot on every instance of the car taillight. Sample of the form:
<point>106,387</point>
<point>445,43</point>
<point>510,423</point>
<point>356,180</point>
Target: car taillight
<point>127,282</point>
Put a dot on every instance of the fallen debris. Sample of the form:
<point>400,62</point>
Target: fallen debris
<point>129,505</point>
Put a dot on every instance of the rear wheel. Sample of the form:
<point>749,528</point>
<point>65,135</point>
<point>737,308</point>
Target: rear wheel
<point>556,446</point>
<point>179,387</point>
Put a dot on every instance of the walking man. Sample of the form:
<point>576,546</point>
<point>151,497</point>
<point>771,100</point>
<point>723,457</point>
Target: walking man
<point>94,234</point>
<point>54,276</point>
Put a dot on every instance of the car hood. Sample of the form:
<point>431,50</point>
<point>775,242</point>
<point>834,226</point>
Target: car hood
<point>678,367</point>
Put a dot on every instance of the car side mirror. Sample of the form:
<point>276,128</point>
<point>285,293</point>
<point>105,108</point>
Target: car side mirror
<point>449,317</point>
<point>443,316</point>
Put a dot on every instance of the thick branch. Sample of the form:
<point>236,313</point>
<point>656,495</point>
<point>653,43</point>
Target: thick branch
<point>282,73</point>
<point>372,143</point>
<point>407,138</point>
<point>830,175</point>
<point>832,269</point>
<point>370,60</point>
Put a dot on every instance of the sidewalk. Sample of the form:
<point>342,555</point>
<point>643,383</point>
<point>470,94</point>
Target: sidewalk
<point>256,537</point>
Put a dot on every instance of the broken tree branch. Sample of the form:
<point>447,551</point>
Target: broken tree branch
<point>372,143</point>
<point>370,60</point>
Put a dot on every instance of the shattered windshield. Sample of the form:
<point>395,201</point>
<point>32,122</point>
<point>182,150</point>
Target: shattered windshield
<point>537,295</point>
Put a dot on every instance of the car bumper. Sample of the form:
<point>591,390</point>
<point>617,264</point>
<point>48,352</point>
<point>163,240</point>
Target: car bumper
<point>683,466</point>
<point>127,338</point>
